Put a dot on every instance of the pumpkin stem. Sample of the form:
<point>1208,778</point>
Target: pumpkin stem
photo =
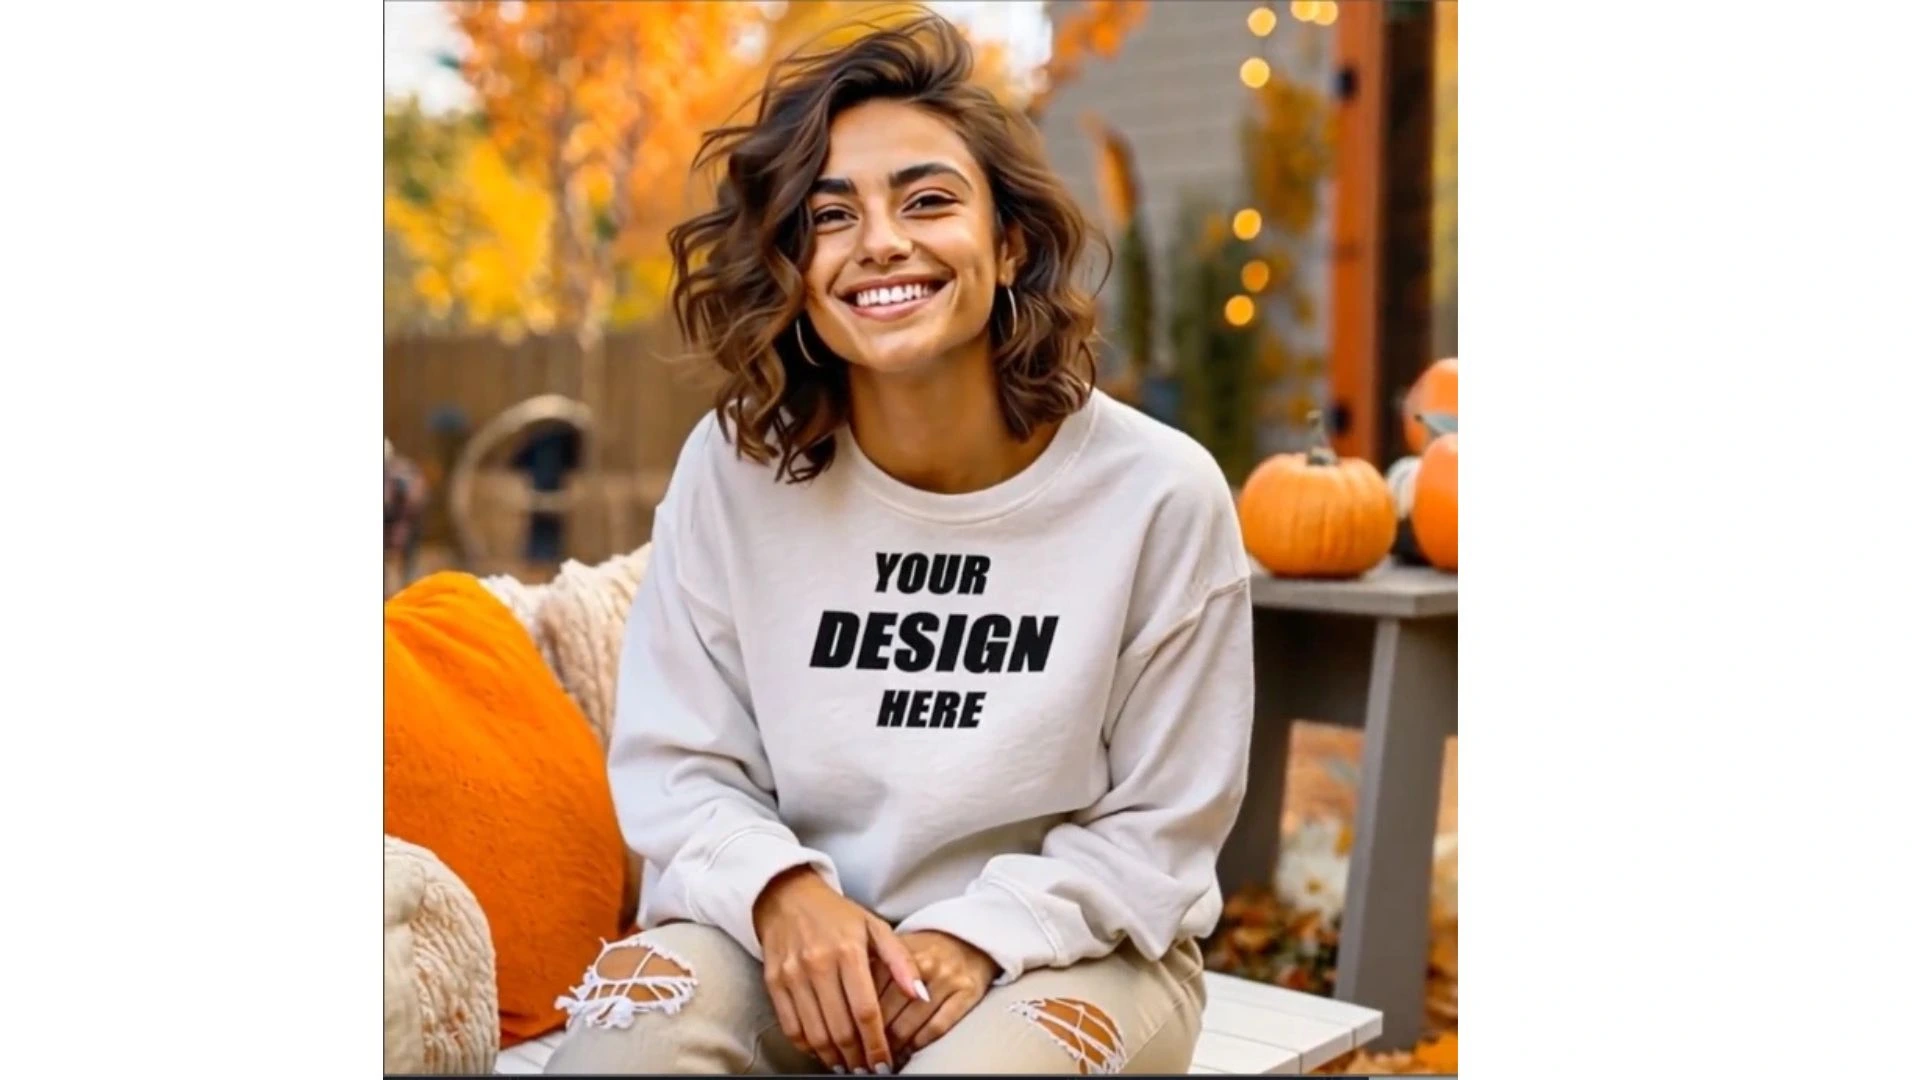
<point>1321,452</point>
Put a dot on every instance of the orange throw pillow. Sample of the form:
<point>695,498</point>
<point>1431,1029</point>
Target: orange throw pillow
<point>492,767</point>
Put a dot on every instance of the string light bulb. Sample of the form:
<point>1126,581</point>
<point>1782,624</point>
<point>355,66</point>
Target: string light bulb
<point>1261,21</point>
<point>1326,12</point>
<point>1255,275</point>
<point>1255,72</point>
<point>1240,310</point>
<point>1246,224</point>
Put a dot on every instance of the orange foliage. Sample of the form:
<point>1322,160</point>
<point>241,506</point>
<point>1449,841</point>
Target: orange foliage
<point>593,109</point>
<point>1093,28</point>
<point>1116,174</point>
<point>1438,1056</point>
<point>599,104</point>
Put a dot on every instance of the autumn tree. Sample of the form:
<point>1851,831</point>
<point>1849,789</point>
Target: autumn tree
<point>465,232</point>
<point>417,160</point>
<point>598,104</point>
<point>551,212</point>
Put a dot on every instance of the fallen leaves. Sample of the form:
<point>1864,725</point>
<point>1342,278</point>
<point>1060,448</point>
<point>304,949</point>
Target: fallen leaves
<point>1262,939</point>
<point>1438,1055</point>
<point>1443,980</point>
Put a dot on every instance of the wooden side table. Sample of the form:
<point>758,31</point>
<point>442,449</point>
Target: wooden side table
<point>1378,654</point>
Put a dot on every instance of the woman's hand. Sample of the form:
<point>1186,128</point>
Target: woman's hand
<point>819,947</point>
<point>958,976</point>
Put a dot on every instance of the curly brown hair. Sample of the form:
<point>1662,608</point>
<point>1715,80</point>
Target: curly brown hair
<point>738,268</point>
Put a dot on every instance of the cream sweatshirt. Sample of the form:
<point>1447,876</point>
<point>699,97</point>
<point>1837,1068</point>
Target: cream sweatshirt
<point>1019,715</point>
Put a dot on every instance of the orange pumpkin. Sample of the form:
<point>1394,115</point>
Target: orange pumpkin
<point>1436,500</point>
<point>1316,514</point>
<point>1437,390</point>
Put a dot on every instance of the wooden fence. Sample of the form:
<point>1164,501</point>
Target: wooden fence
<point>650,400</point>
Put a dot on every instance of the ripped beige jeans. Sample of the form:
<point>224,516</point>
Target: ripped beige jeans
<point>698,1004</point>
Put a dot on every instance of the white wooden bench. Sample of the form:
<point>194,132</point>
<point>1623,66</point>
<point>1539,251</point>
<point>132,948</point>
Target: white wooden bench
<point>1249,1028</point>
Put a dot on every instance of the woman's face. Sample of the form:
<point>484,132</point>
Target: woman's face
<point>905,264</point>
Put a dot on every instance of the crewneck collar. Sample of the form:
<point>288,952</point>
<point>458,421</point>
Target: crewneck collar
<point>1002,498</point>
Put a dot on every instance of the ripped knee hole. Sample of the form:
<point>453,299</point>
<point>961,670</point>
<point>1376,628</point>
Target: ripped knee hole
<point>1087,1034</point>
<point>629,978</point>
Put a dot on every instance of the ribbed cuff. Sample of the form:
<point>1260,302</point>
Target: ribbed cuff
<point>739,873</point>
<point>996,922</point>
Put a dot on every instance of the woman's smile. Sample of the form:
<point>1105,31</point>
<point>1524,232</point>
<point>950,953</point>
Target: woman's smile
<point>894,299</point>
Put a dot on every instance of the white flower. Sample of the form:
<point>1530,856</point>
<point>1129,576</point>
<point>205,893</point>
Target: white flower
<point>1313,872</point>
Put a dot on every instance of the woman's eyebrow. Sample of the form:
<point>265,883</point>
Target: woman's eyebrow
<point>839,185</point>
<point>914,173</point>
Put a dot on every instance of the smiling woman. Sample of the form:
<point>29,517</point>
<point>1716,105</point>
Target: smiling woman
<point>883,217</point>
<point>935,702</point>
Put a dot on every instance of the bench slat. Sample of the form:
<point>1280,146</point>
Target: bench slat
<point>1313,1041</point>
<point>1362,1021</point>
<point>1232,1054</point>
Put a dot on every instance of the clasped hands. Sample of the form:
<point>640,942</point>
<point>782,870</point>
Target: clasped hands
<point>848,989</point>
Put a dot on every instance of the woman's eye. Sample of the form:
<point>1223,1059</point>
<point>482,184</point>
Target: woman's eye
<point>830,216</point>
<point>929,201</point>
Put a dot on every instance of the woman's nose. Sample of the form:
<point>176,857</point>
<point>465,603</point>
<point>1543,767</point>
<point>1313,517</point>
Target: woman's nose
<point>883,242</point>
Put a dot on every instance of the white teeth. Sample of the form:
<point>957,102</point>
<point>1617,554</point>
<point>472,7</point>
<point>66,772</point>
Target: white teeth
<point>898,294</point>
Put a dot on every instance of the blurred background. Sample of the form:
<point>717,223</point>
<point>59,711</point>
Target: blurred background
<point>1276,180</point>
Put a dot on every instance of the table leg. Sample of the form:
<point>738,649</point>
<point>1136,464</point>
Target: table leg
<point>1306,667</point>
<point>1287,678</point>
<point>1411,705</point>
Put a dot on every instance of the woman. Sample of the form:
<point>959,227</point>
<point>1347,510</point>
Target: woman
<point>934,707</point>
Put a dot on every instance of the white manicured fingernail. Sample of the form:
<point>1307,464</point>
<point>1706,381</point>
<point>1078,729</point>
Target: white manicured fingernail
<point>839,1070</point>
<point>920,990</point>
<point>883,1069</point>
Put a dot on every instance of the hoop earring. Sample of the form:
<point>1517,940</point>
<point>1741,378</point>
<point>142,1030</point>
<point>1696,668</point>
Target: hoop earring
<point>1013,312</point>
<point>801,340</point>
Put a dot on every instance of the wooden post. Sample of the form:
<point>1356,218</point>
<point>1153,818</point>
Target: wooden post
<point>1359,55</point>
<point>1382,222</point>
<point>1406,250</point>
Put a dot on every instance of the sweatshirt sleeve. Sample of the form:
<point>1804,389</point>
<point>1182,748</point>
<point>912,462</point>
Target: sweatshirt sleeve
<point>691,782</point>
<point>1140,862</point>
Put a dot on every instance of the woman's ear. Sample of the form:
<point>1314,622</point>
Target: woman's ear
<point>1013,255</point>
